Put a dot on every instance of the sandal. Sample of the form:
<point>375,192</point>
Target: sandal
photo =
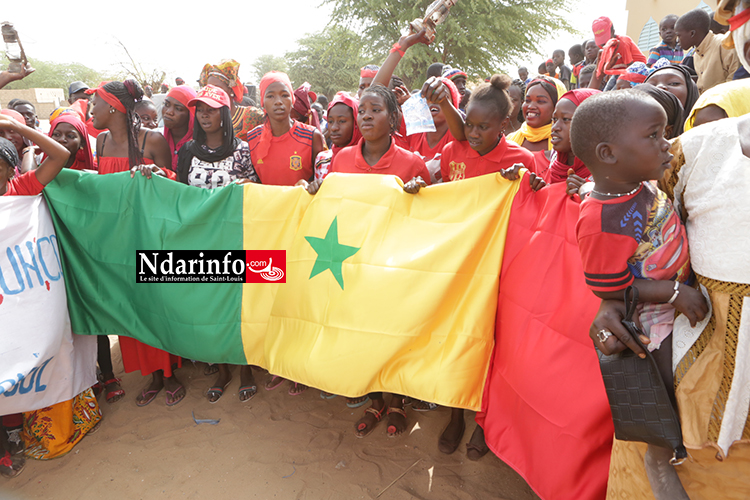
<point>172,393</point>
<point>326,395</point>
<point>296,389</point>
<point>357,402</point>
<point>362,428</point>
<point>11,466</point>
<point>392,429</point>
<point>418,405</point>
<point>146,397</point>
<point>117,393</point>
<point>216,391</point>
<point>247,393</point>
<point>274,382</point>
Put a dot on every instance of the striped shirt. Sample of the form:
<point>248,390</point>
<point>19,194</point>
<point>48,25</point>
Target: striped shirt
<point>663,50</point>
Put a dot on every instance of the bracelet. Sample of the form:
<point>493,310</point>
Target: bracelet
<point>397,48</point>
<point>26,150</point>
<point>676,292</point>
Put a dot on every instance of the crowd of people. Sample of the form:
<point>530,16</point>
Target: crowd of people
<point>627,132</point>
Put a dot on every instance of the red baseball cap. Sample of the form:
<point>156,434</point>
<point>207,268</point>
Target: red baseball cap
<point>602,28</point>
<point>211,95</point>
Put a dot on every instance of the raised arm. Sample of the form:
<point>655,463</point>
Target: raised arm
<point>57,155</point>
<point>436,92</point>
<point>383,77</point>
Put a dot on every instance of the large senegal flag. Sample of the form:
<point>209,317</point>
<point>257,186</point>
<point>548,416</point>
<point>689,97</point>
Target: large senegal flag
<point>385,291</point>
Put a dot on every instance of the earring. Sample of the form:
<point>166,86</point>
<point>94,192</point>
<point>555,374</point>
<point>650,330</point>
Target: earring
<point>222,123</point>
<point>112,110</point>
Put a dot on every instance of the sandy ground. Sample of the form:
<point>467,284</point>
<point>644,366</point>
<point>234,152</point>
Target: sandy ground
<point>273,447</point>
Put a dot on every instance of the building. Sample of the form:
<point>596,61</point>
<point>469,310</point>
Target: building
<point>644,17</point>
<point>44,100</point>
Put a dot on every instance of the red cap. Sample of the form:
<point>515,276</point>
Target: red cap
<point>211,95</point>
<point>602,28</point>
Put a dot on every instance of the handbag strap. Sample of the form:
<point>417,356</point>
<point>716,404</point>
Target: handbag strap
<point>631,302</point>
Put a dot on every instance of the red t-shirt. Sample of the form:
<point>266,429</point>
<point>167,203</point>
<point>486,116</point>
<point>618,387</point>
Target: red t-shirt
<point>459,161</point>
<point>396,161</point>
<point>24,185</point>
<point>628,50</point>
<point>289,158</point>
<point>418,144</point>
<point>636,236</point>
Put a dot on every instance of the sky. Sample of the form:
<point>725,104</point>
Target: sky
<point>180,41</point>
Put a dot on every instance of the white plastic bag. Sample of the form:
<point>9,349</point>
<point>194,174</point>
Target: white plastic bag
<point>417,115</point>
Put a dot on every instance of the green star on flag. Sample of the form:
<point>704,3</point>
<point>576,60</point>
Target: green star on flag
<point>331,254</point>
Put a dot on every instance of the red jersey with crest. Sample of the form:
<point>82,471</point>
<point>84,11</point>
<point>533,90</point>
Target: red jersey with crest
<point>290,157</point>
<point>459,161</point>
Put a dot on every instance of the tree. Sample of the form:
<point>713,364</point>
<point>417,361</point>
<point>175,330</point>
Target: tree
<point>478,36</point>
<point>152,77</point>
<point>49,75</point>
<point>330,60</point>
<point>266,63</point>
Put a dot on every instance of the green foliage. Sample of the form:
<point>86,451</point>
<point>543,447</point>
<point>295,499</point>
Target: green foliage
<point>266,63</point>
<point>478,36</point>
<point>330,60</point>
<point>50,75</point>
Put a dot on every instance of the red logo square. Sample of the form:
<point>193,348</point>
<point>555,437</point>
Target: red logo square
<point>265,266</point>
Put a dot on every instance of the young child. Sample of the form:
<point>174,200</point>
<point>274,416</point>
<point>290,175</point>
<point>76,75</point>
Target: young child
<point>628,231</point>
<point>713,62</point>
<point>29,184</point>
<point>576,56</point>
<point>668,48</point>
<point>558,58</point>
<point>283,150</point>
<point>618,52</point>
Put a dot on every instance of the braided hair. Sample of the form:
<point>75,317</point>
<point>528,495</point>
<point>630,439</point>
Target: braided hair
<point>391,103</point>
<point>129,93</point>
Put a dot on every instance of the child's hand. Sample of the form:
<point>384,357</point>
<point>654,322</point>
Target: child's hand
<point>414,185</point>
<point>435,91</point>
<point>402,94</point>
<point>574,183</point>
<point>691,303</point>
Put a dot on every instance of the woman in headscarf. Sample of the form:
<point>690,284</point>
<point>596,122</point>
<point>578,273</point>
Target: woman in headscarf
<point>283,150</point>
<point>671,105</point>
<point>178,119</point>
<point>302,107</point>
<point>728,100</point>
<point>125,146</point>
<point>225,75</point>
<point>23,145</point>
<point>343,130</point>
<point>676,78</point>
<point>70,131</point>
<point>541,98</point>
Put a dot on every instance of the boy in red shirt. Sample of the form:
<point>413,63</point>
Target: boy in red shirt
<point>628,231</point>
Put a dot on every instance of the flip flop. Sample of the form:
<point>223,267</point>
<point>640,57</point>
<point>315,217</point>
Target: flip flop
<point>274,382</point>
<point>300,389</point>
<point>172,393</point>
<point>146,397</point>
<point>326,395</point>
<point>357,402</point>
<point>248,389</point>
<point>216,390</point>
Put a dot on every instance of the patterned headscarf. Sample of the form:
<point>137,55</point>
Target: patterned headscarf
<point>62,111</point>
<point>227,71</point>
<point>454,73</point>
<point>635,73</point>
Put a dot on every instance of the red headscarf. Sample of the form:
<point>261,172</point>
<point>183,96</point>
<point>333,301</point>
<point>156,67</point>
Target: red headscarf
<point>558,166</point>
<point>182,94</point>
<point>84,159</point>
<point>347,100</point>
<point>264,144</point>
<point>455,95</point>
<point>20,119</point>
<point>108,98</point>
<point>303,99</point>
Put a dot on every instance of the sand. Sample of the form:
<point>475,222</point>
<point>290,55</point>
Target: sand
<point>275,446</point>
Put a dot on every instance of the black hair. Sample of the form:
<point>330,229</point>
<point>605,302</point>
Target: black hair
<point>435,69</point>
<point>589,68</point>
<point>129,93</point>
<point>8,154</point>
<point>558,51</point>
<point>669,17</point>
<point>495,94</point>
<point>523,68</point>
<point>228,146</point>
<point>391,103</point>
<point>602,118</point>
<point>577,49</point>
<point>697,19</point>
<point>323,100</point>
<point>671,105</point>
<point>548,85</point>
<point>522,87</point>
<point>145,102</point>
<point>20,102</point>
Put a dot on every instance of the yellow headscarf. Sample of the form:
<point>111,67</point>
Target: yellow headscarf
<point>538,134</point>
<point>733,97</point>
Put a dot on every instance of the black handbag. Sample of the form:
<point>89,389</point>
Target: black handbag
<point>638,398</point>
